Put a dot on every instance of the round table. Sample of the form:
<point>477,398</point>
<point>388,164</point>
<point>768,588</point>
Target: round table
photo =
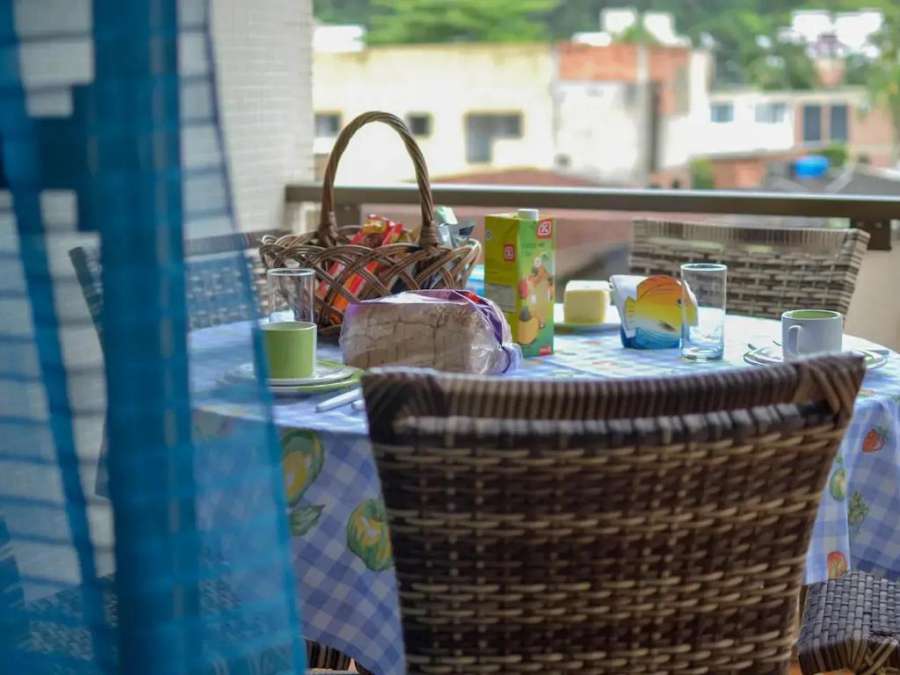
<point>348,590</point>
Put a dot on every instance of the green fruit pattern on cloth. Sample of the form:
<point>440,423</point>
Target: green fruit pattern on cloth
<point>857,510</point>
<point>302,519</point>
<point>838,484</point>
<point>368,536</point>
<point>302,459</point>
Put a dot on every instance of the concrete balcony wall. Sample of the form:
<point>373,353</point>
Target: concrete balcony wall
<point>264,67</point>
<point>875,310</point>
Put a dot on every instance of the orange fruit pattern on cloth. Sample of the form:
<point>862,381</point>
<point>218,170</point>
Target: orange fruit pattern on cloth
<point>837,565</point>
<point>875,439</point>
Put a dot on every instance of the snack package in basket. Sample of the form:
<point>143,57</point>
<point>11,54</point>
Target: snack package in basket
<point>375,232</point>
<point>450,330</point>
<point>451,234</point>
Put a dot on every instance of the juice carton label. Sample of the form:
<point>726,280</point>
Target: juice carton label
<point>519,271</point>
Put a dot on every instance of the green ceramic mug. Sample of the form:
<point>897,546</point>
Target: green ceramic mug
<point>290,348</point>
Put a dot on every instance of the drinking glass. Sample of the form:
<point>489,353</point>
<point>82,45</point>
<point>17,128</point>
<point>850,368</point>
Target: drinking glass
<point>291,294</point>
<point>703,311</point>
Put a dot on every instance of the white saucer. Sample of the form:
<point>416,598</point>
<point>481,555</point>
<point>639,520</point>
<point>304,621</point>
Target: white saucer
<point>611,323</point>
<point>771,355</point>
<point>327,372</point>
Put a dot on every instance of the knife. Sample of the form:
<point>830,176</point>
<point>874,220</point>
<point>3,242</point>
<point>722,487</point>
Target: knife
<point>339,400</point>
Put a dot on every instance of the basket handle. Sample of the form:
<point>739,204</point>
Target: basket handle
<point>328,221</point>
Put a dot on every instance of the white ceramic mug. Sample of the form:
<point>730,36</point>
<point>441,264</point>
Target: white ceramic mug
<point>811,331</point>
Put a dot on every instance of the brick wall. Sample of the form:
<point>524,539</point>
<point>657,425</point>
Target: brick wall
<point>870,131</point>
<point>871,134</point>
<point>741,172</point>
<point>264,60</point>
<point>731,174</point>
<point>669,67</point>
<point>619,62</point>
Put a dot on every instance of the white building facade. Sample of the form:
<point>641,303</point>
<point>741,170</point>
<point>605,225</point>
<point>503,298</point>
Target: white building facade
<point>477,107</point>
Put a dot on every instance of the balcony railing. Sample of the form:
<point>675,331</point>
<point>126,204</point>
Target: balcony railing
<point>872,213</point>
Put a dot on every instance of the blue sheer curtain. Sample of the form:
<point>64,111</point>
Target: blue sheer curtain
<point>110,138</point>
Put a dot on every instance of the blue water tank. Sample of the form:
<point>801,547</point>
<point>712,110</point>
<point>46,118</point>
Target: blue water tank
<point>811,166</point>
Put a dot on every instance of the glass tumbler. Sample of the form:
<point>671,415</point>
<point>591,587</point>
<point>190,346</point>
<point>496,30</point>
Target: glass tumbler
<point>291,294</point>
<point>703,311</point>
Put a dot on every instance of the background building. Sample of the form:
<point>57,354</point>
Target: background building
<point>471,106</point>
<point>598,109</point>
<point>615,113</point>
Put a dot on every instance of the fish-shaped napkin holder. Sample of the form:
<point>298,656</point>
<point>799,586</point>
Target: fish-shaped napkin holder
<point>650,308</point>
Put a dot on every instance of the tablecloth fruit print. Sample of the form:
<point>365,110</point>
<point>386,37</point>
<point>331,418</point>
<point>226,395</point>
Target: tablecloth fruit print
<point>346,583</point>
<point>875,439</point>
<point>837,485</point>
<point>857,511</point>
<point>368,536</point>
<point>302,458</point>
<point>837,564</point>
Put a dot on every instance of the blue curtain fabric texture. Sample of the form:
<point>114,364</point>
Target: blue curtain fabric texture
<point>110,138</point>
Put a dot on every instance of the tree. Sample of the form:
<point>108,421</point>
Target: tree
<point>423,21</point>
<point>747,49</point>
<point>343,11</point>
<point>702,174</point>
<point>572,16</point>
<point>784,65</point>
<point>637,34</point>
<point>883,76</point>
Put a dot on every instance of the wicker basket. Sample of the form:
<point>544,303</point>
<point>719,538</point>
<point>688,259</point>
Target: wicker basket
<point>398,267</point>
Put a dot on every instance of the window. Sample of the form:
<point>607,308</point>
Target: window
<point>838,127</point>
<point>508,126</point>
<point>721,113</point>
<point>483,129</point>
<point>419,124</point>
<point>328,125</point>
<point>770,113</point>
<point>812,123</point>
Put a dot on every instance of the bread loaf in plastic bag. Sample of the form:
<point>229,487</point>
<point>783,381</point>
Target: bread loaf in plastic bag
<point>450,330</point>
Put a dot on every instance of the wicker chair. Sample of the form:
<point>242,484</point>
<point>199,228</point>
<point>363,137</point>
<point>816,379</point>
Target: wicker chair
<point>851,623</point>
<point>213,283</point>
<point>624,526</point>
<point>769,270</point>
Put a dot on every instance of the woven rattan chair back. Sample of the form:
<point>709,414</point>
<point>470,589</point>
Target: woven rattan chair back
<point>585,526</point>
<point>213,284</point>
<point>851,623</point>
<point>770,270</point>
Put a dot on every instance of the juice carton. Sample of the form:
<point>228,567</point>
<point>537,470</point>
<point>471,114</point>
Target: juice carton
<point>519,268</point>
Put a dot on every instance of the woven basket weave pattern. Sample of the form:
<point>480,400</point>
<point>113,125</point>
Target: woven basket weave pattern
<point>851,623</point>
<point>395,267</point>
<point>549,528</point>
<point>770,270</point>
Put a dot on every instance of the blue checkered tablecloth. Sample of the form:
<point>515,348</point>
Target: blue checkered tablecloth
<point>348,592</point>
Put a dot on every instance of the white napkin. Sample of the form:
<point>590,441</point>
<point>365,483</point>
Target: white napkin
<point>622,287</point>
